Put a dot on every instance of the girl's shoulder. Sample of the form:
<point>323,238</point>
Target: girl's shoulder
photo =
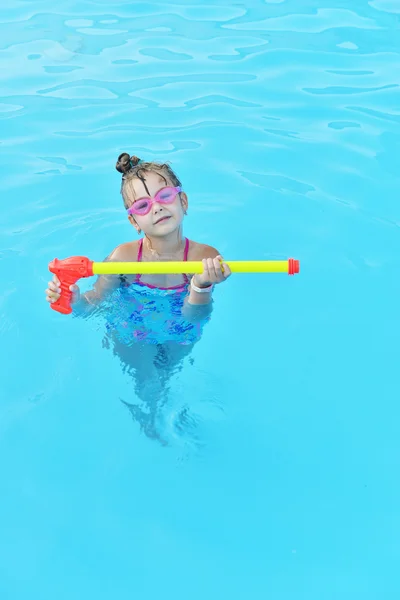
<point>125,252</point>
<point>199,251</point>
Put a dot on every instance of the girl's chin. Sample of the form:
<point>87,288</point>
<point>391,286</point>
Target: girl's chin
<point>165,228</point>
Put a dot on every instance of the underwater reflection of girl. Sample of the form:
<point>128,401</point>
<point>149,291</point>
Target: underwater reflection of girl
<point>152,366</point>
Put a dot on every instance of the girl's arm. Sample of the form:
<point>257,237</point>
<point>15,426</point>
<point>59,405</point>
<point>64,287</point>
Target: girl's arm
<point>198,305</point>
<point>105,284</point>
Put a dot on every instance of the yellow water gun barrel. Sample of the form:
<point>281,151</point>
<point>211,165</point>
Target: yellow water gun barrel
<point>175,267</point>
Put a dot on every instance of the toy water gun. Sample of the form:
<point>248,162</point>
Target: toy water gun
<point>71,269</point>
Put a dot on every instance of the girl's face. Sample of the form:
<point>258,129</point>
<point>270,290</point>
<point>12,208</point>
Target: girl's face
<point>162,219</point>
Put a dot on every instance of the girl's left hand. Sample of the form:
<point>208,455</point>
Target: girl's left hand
<point>215,270</point>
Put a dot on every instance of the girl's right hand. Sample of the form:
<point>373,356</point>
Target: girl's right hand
<point>53,292</point>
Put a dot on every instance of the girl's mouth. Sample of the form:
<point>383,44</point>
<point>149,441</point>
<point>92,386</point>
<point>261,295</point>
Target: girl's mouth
<point>161,220</point>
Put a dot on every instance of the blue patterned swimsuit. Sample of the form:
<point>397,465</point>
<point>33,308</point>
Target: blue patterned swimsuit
<point>150,314</point>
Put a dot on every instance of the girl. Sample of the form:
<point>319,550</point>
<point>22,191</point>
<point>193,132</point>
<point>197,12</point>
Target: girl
<point>159,317</point>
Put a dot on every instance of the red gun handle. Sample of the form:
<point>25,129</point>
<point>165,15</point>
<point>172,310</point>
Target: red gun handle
<point>63,304</point>
<point>68,271</point>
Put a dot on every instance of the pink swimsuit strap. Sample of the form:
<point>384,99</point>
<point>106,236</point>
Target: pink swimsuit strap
<point>175,287</point>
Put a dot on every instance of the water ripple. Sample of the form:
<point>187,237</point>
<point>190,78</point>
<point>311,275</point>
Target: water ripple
<point>322,19</point>
<point>349,90</point>
<point>164,54</point>
<point>390,6</point>
<point>378,114</point>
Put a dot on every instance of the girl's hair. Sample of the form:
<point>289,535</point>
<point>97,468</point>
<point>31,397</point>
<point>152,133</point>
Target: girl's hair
<point>132,166</point>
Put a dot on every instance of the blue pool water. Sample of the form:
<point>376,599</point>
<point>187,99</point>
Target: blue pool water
<point>278,472</point>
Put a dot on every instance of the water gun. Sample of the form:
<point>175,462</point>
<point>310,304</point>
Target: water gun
<point>71,269</point>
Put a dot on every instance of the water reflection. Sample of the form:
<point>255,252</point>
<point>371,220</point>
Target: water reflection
<point>154,405</point>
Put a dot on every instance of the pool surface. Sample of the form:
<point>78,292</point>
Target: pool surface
<point>274,470</point>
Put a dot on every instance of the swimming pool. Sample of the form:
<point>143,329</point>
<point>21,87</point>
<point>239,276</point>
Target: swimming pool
<point>278,478</point>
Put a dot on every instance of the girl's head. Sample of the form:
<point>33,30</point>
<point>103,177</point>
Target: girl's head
<point>152,195</point>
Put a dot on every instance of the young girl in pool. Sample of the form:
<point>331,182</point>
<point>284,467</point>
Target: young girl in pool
<point>153,321</point>
<point>155,204</point>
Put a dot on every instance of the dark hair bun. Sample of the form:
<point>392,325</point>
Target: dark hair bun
<point>125,162</point>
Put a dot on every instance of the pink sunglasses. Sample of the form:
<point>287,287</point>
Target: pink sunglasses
<point>164,196</point>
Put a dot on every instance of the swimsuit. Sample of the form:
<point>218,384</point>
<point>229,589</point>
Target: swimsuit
<point>151,314</point>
